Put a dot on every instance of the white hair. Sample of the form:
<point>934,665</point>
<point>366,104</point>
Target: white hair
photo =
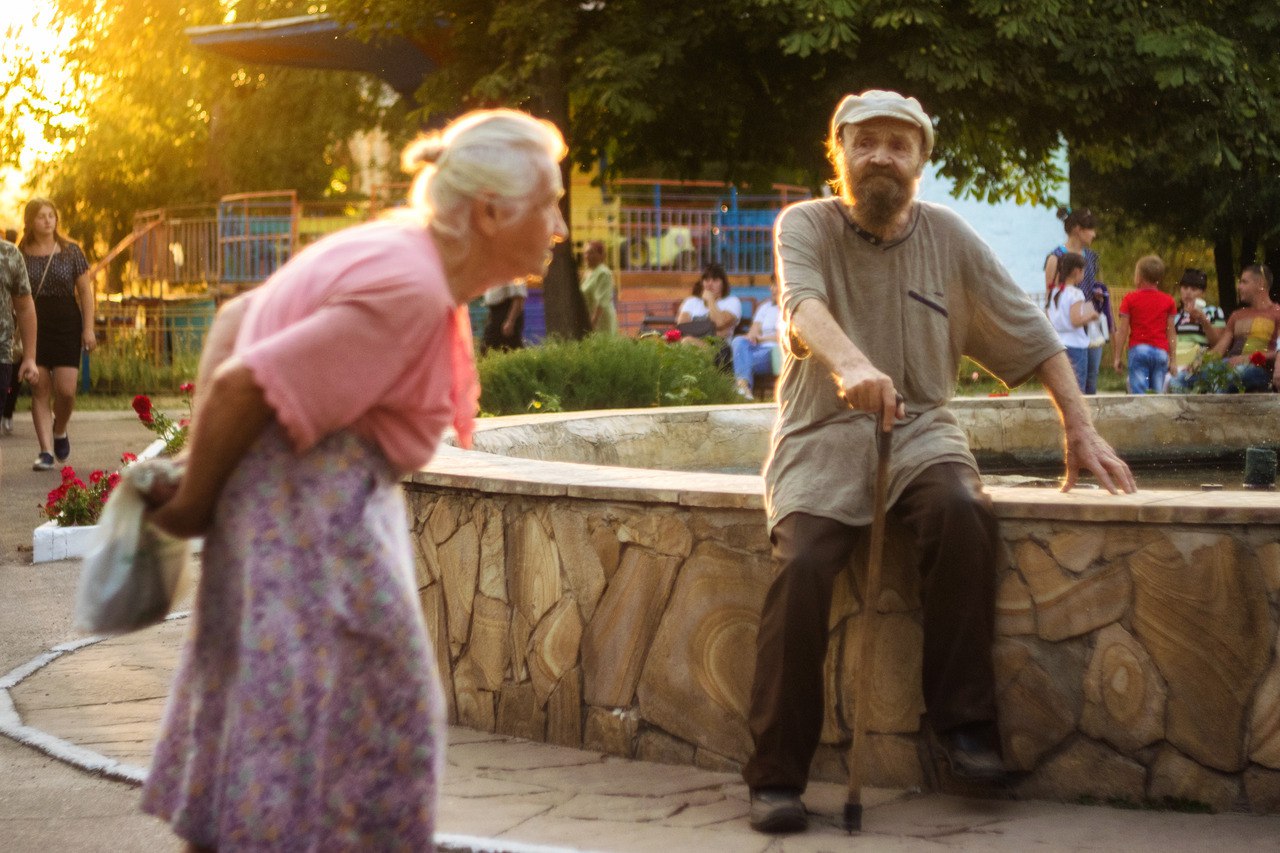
<point>503,154</point>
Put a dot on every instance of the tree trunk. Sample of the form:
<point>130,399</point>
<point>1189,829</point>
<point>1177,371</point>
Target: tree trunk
<point>1225,266</point>
<point>1271,257</point>
<point>566,312</point>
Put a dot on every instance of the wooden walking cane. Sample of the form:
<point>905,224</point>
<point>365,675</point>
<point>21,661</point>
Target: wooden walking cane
<point>866,635</point>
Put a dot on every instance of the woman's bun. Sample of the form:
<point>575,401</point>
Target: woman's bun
<point>423,151</point>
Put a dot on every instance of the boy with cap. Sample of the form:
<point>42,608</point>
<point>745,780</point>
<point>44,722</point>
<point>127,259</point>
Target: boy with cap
<point>880,295</point>
<point>1198,324</point>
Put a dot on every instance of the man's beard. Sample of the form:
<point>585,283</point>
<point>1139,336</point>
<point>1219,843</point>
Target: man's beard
<point>879,196</point>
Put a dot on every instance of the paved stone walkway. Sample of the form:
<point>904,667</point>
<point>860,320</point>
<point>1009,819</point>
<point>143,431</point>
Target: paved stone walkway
<point>102,702</point>
<point>98,706</point>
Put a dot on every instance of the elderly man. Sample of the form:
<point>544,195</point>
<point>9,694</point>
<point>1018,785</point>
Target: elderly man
<point>881,294</point>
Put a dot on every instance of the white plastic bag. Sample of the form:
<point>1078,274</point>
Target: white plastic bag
<point>132,570</point>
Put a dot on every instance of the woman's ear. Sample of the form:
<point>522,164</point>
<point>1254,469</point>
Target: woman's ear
<point>484,216</point>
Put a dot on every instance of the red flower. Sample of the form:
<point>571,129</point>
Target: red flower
<point>113,480</point>
<point>1258,359</point>
<point>187,387</point>
<point>184,422</point>
<point>68,474</point>
<point>96,476</point>
<point>128,458</point>
<point>673,335</point>
<point>142,405</point>
<point>78,483</point>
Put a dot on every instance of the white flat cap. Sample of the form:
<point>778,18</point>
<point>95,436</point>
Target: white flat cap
<point>879,103</point>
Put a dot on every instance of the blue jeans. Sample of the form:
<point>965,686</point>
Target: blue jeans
<point>750,359</point>
<point>1091,374</point>
<point>1148,367</point>
<point>1079,358</point>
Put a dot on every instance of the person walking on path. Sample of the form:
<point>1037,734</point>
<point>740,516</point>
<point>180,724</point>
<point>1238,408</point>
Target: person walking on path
<point>598,291</point>
<point>307,710</point>
<point>1146,332</point>
<point>504,327</point>
<point>59,276</point>
<point>1081,229</point>
<point>881,295</point>
<point>17,314</point>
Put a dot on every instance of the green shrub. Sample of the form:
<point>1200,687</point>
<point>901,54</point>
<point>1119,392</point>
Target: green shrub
<point>127,364</point>
<point>601,372</point>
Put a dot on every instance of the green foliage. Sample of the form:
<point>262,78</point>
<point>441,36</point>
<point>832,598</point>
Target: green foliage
<point>600,372</point>
<point>150,120</point>
<point>128,364</point>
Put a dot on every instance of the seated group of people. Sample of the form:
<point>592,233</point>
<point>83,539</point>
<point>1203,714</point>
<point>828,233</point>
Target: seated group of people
<point>1166,342</point>
<point>712,311</point>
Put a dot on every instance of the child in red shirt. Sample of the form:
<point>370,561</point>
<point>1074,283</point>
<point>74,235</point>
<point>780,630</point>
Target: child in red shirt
<point>1147,330</point>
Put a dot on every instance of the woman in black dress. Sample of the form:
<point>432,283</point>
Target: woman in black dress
<point>63,292</point>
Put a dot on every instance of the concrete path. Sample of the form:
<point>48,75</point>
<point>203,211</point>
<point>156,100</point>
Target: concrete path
<point>97,706</point>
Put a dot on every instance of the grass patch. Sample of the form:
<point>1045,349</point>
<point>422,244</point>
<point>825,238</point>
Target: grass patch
<point>601,372</point>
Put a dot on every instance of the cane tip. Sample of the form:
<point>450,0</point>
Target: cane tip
<point>852,817</point>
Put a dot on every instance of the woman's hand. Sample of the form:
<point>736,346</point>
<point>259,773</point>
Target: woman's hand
<point>89,340</point>
<point>176,519</point>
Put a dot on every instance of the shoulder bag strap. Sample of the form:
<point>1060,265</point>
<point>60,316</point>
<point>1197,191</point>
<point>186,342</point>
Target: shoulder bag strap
<point>40,286</point>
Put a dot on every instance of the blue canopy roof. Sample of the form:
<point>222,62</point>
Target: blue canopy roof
<point>318,41</point>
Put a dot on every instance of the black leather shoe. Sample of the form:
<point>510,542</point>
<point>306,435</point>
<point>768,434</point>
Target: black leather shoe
<point>777,811</point>
<point>972,752</point>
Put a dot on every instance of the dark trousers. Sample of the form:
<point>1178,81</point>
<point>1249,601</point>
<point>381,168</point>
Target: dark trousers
<point>8,389</point>
<point>493,337</point>
<point>951,523</point>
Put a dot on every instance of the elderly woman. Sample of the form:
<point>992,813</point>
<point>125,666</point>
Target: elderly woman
<point>307,711</point>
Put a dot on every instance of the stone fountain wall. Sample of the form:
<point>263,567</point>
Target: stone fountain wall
<point>617,610</point>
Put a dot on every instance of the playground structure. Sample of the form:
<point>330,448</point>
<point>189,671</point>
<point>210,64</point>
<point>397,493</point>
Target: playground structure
<point>658,234</point>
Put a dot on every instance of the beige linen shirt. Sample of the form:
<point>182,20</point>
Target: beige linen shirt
<point>913,306</point>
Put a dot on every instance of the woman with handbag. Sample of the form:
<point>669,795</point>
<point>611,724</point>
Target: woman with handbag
<point>307,712</point>
<point>59,275</point>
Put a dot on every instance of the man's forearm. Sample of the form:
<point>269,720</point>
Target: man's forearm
<point>24,308</point>
<point>1059,380</point>
<point>825,339</point>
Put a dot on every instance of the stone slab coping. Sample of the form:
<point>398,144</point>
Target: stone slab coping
<point>476,470</point>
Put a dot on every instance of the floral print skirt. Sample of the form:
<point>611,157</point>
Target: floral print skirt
<point>306,712</point>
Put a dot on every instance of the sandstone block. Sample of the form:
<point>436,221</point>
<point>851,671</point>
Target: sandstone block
<point>564,711</point>
<point>1176,777</point>
<point>431,600</point>
<point>1204,618</point>
<point>893,761</point>
<point>895,701</point>
<point>489,646</point>
<point>608,549</point>
<point>696,680</point>
<point>1125,698</point>
<point>1264,719</point>
<point>1269,562</point>
<point>1075,549</point>
<point>657,745</point>
<point>1067,606</point>
<point>553,648</point>
<point>1262,790</point>
<point>534,568</point>
<point>426,562</point>
<point>582,571</point>
<point>663,532</point>
<point>475,706</point>
<point>493,556</point>
<point>459,565</point>
<point>1086,768</point>
<point>1014,611</point>
<point>611,731</point>
<point>1035,716</point>
<point>519,713</point>
<point>443,520</point>
<point>616,643</point>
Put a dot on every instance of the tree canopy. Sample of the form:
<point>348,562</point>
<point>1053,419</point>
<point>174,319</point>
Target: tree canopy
<point>149,120</point>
